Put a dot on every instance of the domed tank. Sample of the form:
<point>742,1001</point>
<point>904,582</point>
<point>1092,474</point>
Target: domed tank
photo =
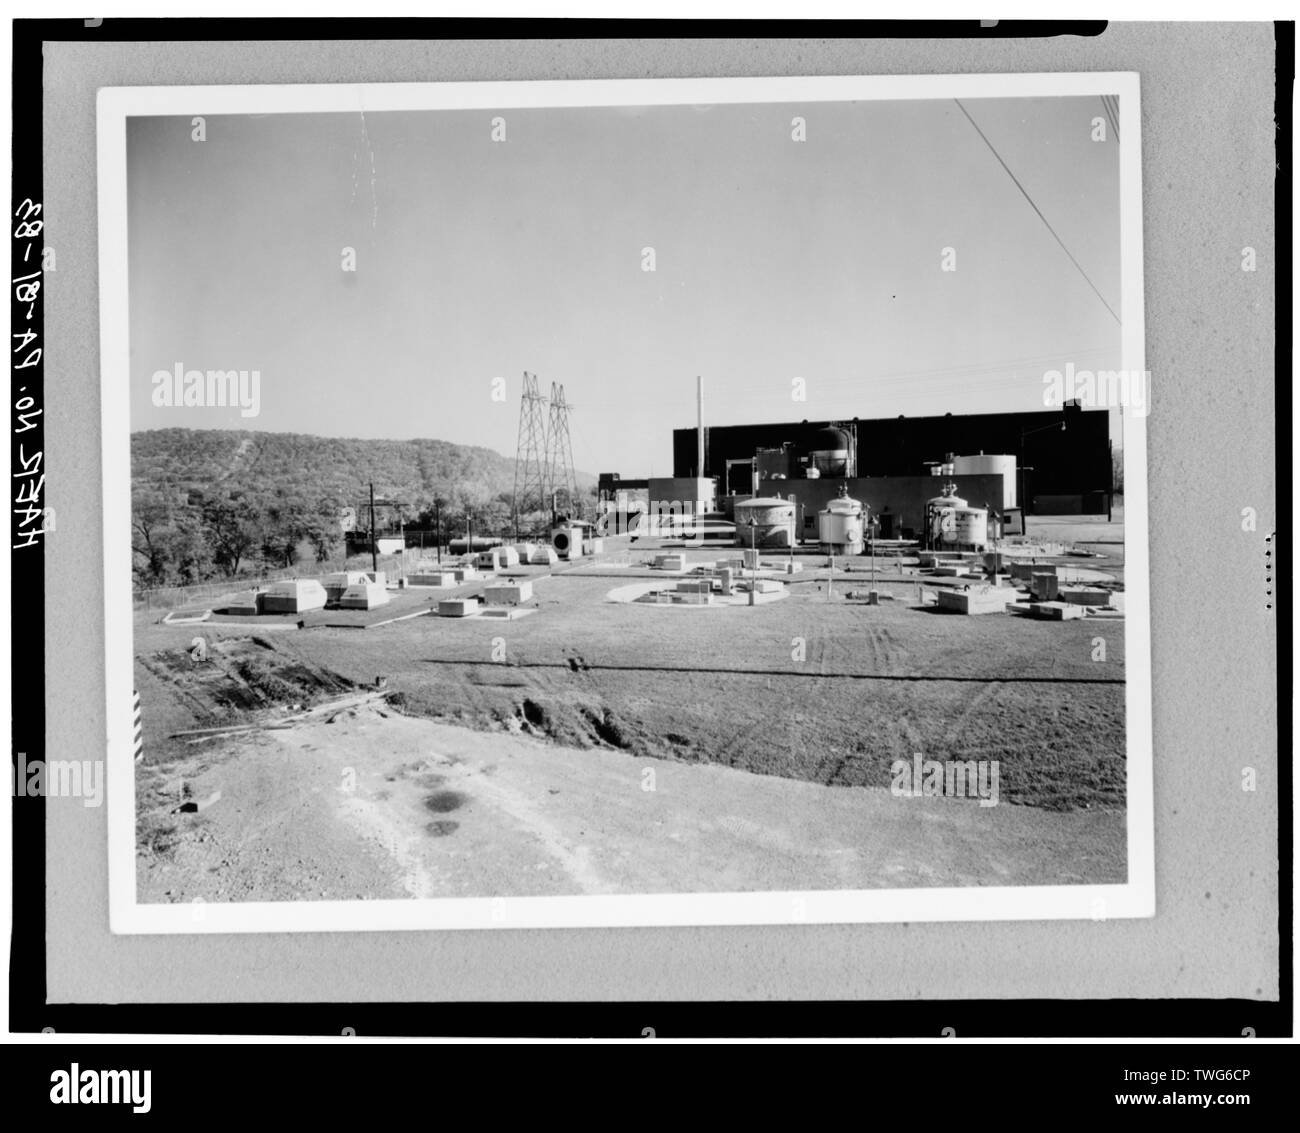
<point>840,526</point>
<point>953,524</point>
<point>765,522</point>
<point>941,512</point>
<point>971,527</point>
<point>828,452</point>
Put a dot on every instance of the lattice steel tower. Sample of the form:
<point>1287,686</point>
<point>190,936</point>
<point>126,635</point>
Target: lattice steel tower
<point>562,479</point>
<point>532,456</point>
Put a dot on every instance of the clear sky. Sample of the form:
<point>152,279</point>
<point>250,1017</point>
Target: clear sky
<point>477,259</point>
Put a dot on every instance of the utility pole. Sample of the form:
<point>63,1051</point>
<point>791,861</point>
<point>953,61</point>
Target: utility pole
<point>374,552</point>
<point>753,571</point>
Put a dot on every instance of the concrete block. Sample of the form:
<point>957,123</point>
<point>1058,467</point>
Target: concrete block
<point>378,576</point>
<point>433,578</point>
<point>1085,596</point>
<point>457,607</point>
<point>1044,586</point>
<point>525,551</point>
<point>593,546</point>
<point>364,596</point>
<point>509,594</point>
<point>750,558</point>
<point>245,603</point>
<point>695,586</point>
<point>497,558</point>
<point>670,562</point>
<point>1023,572</point>
<point>294,597</point>
<point>692,598</point>
<point>465,574</point>
<point>543,556</point>
<point>993,600</point>
<point>767,586</point>
<point>792,567</point>
<point>1056,611</point>
<point>726,579</point>
<point>951,571</point>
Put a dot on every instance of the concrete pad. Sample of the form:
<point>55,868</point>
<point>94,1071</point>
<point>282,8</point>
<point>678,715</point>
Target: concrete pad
<point>458,607</point>
<point>507,613</point>
<point>509,594</point>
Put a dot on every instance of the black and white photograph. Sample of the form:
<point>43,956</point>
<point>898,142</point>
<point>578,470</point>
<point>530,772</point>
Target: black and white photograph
<point>615,503</point>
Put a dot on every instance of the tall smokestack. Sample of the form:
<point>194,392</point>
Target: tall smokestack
<point>699,427</point>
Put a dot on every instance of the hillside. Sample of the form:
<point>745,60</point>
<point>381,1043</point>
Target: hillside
<point>225,501</point>
<point>240,460</point>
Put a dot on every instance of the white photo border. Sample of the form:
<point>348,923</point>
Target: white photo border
<point>1136,898</point>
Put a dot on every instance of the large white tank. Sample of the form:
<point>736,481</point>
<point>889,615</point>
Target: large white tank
<point>840,526</point>
<point>971,527</point>
<point>1000,464</point>
<point>772,526</point>
<point>942,513</point>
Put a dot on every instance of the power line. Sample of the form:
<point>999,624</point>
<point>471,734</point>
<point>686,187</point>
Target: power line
<point>1039,211</point>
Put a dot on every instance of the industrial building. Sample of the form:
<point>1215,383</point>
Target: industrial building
<point>1062,460</point>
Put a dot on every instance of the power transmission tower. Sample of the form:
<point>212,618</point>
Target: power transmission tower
<point>561,452</point>
<point>532,457</point>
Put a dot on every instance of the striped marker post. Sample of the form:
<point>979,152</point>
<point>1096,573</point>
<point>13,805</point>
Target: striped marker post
<point>137,730</point>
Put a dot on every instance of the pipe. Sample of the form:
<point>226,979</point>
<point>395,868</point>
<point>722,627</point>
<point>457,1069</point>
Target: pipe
<point>699,426</point>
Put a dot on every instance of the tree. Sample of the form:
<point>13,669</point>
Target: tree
<point>233,528</point>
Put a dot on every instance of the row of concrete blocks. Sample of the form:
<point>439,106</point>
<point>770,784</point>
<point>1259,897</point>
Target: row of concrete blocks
<point>996,599</point>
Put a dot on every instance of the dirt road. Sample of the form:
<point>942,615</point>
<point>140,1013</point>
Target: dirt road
<point>381,805</point>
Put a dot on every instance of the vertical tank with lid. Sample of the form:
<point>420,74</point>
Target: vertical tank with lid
<point>841,523</point>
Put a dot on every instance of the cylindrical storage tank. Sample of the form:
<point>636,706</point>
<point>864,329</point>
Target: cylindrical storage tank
<point>971,527</point>
<point>772,522</point>
<point>1000,464</point>
<point>840,526</point>
<point>942,512</point>
<point>828,452</point>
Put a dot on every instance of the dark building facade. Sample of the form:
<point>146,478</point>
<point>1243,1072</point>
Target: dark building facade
<point>1064,454</point>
